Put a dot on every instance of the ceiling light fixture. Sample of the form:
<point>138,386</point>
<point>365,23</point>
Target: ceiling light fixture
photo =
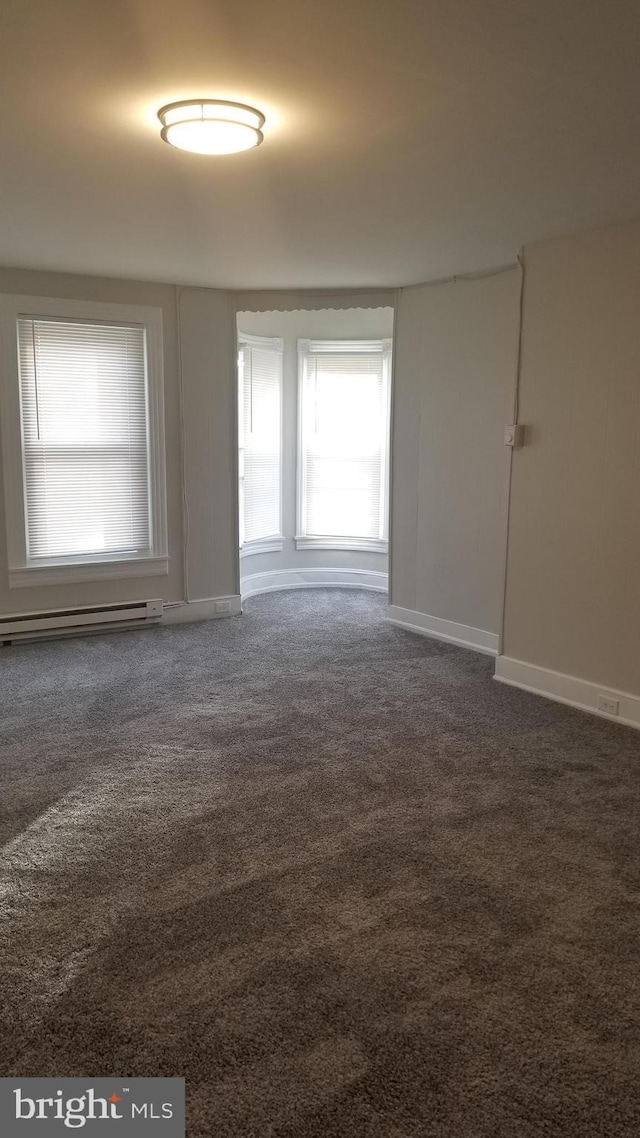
<point>211,126</point>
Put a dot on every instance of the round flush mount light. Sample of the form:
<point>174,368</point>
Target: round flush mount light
<point>211,126</point>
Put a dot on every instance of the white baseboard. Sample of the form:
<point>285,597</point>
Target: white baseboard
<point>464,635</point>
<point>276,579</point>
<point>207,609</point>
<point>567,689</point>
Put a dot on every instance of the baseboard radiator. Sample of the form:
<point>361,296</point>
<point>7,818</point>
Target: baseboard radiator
<point>77,621</point>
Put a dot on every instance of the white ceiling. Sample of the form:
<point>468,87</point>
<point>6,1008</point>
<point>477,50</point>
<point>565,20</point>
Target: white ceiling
<point>405,139</point>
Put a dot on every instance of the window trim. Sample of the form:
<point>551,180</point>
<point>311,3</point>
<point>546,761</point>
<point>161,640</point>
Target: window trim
<point>274,543</point>
<point>84,567</point>
<point>263,545</point>
<point>303,540</point>
<point>365,544</point>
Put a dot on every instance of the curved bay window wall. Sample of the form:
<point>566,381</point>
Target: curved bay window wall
<point>313,412</point>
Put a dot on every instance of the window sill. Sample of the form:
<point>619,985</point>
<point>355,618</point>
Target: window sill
<point>262,545</point>
<point>362,544</point>
<point>72,573</point>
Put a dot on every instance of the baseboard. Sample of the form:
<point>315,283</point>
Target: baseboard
<point>207,609</point>
<point>274,580</point>
<point>567,689</point>
<point>464,635</point>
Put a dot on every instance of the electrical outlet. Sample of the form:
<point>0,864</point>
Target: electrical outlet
<point>223,606</point>
<point>608,703</point>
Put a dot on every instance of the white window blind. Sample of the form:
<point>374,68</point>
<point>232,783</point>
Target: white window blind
<point>85,446</point>
<point>260,415</point>
<point>343,440</point>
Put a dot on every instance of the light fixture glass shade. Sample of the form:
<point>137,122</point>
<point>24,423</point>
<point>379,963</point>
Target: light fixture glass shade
<point>211,126</point>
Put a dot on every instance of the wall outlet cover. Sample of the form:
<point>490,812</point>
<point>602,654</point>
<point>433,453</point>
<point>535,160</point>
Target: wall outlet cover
<point>608,704</point>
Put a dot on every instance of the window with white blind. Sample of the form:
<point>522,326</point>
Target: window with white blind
<point>343,444</point>
<point>83,401</point>
<point>260,443</point>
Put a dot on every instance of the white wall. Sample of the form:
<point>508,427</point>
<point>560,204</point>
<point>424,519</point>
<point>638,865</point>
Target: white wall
<point>354,324</point>
<point>573,575</point>
<point>573,568</point>
<point>208,375</point>
<point>199,344</point>
<point>454,376</point>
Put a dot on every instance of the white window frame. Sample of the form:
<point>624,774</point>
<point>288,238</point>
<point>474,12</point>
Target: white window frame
<point>306,349</point>
<point>84,567</point>
<point>275,543</point>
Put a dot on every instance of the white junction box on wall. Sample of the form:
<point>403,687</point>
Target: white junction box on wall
<point>514,435</point>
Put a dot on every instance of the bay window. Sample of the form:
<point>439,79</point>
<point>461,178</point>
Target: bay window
<point>343,444</point>
<point>260,443</point>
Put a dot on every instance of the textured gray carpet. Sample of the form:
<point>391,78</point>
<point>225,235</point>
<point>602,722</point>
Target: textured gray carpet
<point>328,871</point>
